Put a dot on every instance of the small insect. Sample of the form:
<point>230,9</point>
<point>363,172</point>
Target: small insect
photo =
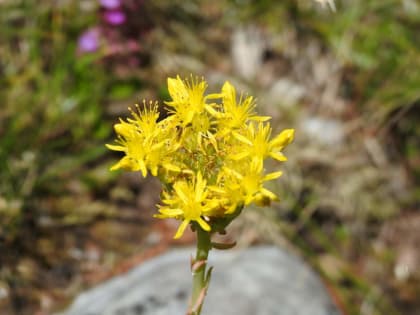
<point>330,3</point>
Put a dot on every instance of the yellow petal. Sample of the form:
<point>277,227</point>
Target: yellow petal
<point>126,164</point>
<point>278,156</point>
<point>142,167</point>
<point>157,146</point>
<point>269,194</point>
<point>229,93</point>
<point>240,156</point>
<point>272,176</point>
<point>171,167</point>
<point>203,224</point>
<point>213,96</point>
<point>213,112</point>
<point>260,118</point>
<point>123,129</point>
<point>181,229</point>
<point>213,141</point>
<point>180,188</point>
<point>170,212</point>
<point>242,138</point>
<point>115,167</point>
<point>217,189</point>
<point>116,147</point>
<point>284,138</point>
<point>199,187</point>
<point>154,170</point>
<point>177,89</point>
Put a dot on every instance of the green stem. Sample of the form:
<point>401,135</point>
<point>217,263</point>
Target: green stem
<point>198,267</point>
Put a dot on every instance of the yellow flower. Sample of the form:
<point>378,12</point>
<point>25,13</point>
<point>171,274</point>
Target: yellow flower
<point>145,119</point>
<point>235,115</point>
<point>188,202</point>
<point>209,153</point>
<point>247,183</point>
<point>257,143</point>
<point>145,144</point>
<point>187,98</point>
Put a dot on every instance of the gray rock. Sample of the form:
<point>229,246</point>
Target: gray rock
<point>286,93</point>
<point>255,281</point>
<point>248,47</point>
<point>324,131</point>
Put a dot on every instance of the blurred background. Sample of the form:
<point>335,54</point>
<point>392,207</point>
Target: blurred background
<point>348,82</point>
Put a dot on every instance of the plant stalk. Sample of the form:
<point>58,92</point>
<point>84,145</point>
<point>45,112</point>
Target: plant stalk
<point>198,268</point>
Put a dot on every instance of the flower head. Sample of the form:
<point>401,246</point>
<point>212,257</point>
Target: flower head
<point>187,98</point>
<point>235,115</point>
<point>209,153</point>
<point>115,17</point>
<point>110,4</point>
<point>188,202</point>
<point>89,41</point>
<point>257,144</point>
<point>145,142</point>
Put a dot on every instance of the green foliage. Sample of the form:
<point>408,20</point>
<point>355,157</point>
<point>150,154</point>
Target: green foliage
<point>51,108</point>
<point>379,42</point>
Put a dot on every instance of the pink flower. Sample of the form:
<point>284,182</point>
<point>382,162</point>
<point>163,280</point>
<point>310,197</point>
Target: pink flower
<point>89,41</point>
<point>114,17</point>
<point>110,4</point>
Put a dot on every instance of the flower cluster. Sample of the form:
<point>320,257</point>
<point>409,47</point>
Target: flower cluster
<point>118,35</point>
<point>209,153</point>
